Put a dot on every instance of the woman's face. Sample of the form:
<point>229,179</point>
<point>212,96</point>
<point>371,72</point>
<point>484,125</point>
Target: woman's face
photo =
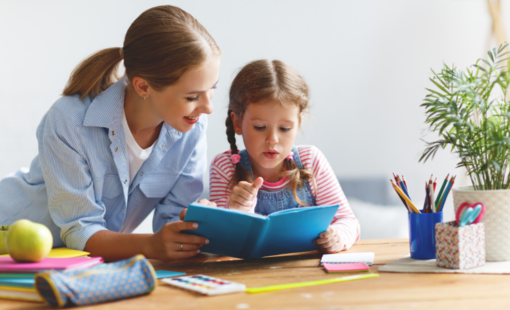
<point>180,105</point>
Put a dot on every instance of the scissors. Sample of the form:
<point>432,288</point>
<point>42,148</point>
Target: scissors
<point>467,214</point>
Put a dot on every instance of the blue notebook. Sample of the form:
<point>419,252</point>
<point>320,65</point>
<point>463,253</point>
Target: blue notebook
<point>29,283</point>
<point>244,235</point>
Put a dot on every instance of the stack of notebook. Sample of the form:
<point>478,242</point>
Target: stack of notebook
<point>17,279</point>
<point>347,262</point>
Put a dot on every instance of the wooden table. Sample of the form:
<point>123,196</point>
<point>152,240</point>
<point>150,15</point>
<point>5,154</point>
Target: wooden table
<point>388,291</point>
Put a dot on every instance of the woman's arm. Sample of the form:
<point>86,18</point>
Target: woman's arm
<point>73,206</point>
<point>163,245</point>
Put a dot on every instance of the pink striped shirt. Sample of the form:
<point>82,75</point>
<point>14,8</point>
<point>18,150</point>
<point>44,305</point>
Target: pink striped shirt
<point>328,192</point>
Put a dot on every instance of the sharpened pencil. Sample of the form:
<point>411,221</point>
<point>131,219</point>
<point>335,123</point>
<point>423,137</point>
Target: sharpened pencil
<point>401,194</point>
<point>402,199</point>
<point>426,203</point>
<point>446,192</point>
<point>431,197</point>
<point>403,186</point>
<point>440,194</point>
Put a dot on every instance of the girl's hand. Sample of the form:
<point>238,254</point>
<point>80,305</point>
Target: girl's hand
<point>207,202</point>
<point>169,243</point>
<point>329,241</point>
<point>201,201</point>
<point>243,195</point>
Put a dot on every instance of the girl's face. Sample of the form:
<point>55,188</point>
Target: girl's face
<point>180,105</point>
<point>269,130</point>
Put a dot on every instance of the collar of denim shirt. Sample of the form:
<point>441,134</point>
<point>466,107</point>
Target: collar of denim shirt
<point>106,109</point>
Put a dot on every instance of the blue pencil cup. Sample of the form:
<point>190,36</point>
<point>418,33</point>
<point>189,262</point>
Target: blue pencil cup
<point>422,236</point>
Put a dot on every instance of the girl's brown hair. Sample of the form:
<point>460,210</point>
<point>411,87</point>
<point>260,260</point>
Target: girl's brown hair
<point>160,45</point>
<point>264,81</point>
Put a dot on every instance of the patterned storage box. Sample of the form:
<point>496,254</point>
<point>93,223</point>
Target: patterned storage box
<point>460,247</point>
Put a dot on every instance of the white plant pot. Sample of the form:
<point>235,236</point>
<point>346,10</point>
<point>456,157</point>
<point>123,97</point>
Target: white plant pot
<point>496,219</point>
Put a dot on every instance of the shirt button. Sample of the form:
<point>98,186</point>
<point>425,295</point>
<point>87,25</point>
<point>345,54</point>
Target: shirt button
<point>163,146</point>
<point>113,132</point>
<point>141,173</point>
<point>125,181</point>
<point>116,149</point>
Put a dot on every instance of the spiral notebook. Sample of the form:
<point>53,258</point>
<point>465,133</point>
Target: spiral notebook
<point>364,257</point>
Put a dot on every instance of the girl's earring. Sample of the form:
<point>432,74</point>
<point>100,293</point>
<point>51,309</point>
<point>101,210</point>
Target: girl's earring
<point>143,97</point>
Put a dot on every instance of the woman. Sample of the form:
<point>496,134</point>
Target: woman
<point>112,151</point>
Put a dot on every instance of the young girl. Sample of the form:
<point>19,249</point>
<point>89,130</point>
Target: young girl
<point>267,102</point>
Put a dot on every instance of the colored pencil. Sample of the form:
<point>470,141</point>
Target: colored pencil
<point>404,180</point>
<point>401,194</point>
<point>446,192</point>
<point>440,194</point>
<point>402,199</point>
<point>431,196</point>
<point>403,186</point>
<point>395,177</point>
<point>426,203</point>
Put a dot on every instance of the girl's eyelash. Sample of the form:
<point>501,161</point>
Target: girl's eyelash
<point>191,99</point>
<point>284,129</point>
<point>259,127</point>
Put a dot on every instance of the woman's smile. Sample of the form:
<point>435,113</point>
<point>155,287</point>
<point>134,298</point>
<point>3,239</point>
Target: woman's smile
<point>191,119</point>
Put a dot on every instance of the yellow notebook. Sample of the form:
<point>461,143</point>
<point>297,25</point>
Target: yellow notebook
<point>63,253</point>
<point>20,293</point>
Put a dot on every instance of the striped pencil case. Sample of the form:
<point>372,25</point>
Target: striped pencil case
<point>101,283</point>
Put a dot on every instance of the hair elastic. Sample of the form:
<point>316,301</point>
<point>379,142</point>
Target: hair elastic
<point>235,158</point>
<point>121,52</point>
<point>290,156</point>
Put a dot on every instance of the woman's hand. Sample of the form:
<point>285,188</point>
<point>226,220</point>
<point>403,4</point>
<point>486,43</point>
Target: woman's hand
<point>329,241</point>
<point>243,195</point>
<point>169,243</point>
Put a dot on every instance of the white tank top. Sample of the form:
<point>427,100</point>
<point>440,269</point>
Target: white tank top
<point>136,155</point>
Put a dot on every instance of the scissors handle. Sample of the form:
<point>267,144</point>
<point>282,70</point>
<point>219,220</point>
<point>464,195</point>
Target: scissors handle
<point>467,214</point>
<point>479,218</point>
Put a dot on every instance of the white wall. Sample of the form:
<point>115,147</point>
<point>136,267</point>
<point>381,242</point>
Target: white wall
<point>367,63</point>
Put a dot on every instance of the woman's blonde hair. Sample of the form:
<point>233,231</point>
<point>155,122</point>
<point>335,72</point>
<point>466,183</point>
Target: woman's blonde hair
<point>264,81</point>
<point>160,45</point>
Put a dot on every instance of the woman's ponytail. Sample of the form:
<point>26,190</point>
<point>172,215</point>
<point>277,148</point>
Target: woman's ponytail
<point>95,74</point>
<point>160,46</point>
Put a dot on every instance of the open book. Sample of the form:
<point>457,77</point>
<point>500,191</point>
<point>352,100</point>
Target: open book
<point>246,235</point>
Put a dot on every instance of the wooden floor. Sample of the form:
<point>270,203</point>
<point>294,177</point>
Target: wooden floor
<point>389,291</point>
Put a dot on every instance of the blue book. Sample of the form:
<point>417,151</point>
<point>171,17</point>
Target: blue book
<point>245,235</point>
<point>17,282</point>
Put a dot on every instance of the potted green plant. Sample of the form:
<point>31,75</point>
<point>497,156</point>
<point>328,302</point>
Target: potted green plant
<point>471,115</point>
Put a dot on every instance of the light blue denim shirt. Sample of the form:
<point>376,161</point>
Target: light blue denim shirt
<point>79,183</point>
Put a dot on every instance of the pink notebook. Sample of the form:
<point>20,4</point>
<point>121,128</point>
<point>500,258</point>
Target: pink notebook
<point>345,267</point>
<point>7,264</point>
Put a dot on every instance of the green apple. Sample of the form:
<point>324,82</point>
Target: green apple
<point>28,241</point>
<point>3,234</point>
